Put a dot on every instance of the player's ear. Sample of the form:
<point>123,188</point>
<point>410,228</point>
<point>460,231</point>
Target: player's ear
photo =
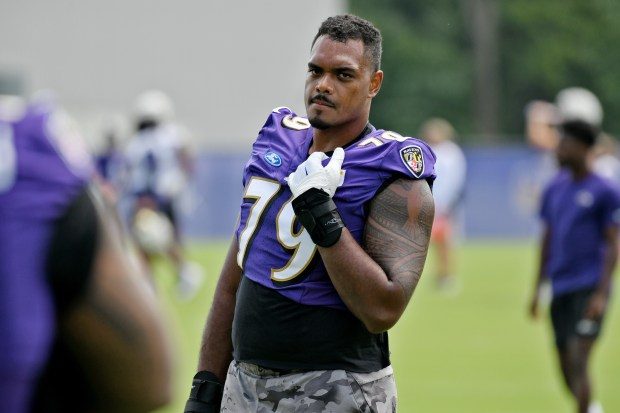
<point>375,83</point>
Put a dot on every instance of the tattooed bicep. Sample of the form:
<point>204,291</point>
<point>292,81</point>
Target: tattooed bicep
<point>398,231</point>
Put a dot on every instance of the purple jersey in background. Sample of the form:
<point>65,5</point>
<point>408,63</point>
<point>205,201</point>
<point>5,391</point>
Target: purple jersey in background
<point>577,214</point>
<point>110,166</point>
<point>274,250</point>
<point>36,185</point>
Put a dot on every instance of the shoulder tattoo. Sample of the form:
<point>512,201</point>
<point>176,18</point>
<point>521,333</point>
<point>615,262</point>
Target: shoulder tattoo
<point>398,231</point>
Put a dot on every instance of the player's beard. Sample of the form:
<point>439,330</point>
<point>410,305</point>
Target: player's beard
<point>319,123</point>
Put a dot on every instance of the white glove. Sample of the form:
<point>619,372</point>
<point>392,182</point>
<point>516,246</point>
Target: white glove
<point>312,174</point>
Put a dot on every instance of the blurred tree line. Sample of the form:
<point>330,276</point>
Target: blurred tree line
<point>478,62</point>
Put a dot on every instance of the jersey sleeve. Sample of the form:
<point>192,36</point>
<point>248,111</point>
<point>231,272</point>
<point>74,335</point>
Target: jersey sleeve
<point>262,140</point>
<point>410,158</point>
<point>277,136</point>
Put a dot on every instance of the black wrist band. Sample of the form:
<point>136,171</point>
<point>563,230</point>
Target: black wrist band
<point>319,215</point>
<point>205,395</point>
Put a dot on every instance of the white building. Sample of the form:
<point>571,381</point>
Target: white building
<point>225,64</point>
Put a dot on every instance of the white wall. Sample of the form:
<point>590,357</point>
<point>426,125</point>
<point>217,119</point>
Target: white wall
<point>225,64</point>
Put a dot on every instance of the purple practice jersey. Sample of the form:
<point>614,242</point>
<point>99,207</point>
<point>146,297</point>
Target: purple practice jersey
<point>577,214</point>
<point>36,185</point>
<point>274,250</point>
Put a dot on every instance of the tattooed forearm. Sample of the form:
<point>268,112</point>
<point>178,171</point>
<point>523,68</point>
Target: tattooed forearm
<point>398,231</point>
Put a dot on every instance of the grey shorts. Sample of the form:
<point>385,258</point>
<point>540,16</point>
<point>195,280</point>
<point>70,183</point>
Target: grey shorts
<point>250,388</point>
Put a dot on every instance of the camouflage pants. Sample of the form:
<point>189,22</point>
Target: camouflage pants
<point>250,388</point>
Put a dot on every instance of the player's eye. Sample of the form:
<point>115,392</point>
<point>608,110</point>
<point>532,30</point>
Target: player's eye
<point>314,71</point>
<point>345,75</point>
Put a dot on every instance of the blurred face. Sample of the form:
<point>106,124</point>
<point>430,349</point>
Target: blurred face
<point>571,151</point>
<point>340,83</point>
<point>433,135</point>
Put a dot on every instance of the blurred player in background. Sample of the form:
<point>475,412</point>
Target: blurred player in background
<point>581,212</point>
<point>110,164</point>
<point>448,191</point>
<point>159,167</point>
<point>80,325</point>
<point>573,103</point>
<point>301,310</point>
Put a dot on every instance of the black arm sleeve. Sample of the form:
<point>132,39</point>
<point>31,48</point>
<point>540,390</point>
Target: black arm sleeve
<point>72,251</point>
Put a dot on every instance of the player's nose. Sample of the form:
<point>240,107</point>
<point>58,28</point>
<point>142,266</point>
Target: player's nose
<point>324,84</point>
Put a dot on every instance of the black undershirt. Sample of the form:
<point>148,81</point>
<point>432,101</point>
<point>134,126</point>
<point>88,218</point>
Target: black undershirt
<point>277,333</point>
<point>62,386</point>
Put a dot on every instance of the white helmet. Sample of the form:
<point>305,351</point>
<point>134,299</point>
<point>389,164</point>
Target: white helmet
<point>154,105</point>
<point>576,103</point>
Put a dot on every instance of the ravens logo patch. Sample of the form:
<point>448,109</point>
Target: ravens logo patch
<point>413,159</point>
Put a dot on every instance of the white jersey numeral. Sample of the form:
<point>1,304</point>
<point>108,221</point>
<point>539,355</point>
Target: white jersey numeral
<point>299,243</point>
<point>387,135</point>
<point>262,191</point>
<point>295,123</point>
<point>8,158</point>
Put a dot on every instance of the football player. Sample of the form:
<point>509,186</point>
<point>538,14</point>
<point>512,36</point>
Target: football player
<point>110,164</point>
<point>333,234</point>
<point>80,325</point>
<point>579,250</point>
<point>159,166</point>
<point>448,192</point>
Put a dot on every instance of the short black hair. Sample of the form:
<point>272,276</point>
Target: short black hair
<point>580,130</point>
<point>347,26</point>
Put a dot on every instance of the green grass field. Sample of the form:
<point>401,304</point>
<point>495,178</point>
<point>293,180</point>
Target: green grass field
<point>472,352</point>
